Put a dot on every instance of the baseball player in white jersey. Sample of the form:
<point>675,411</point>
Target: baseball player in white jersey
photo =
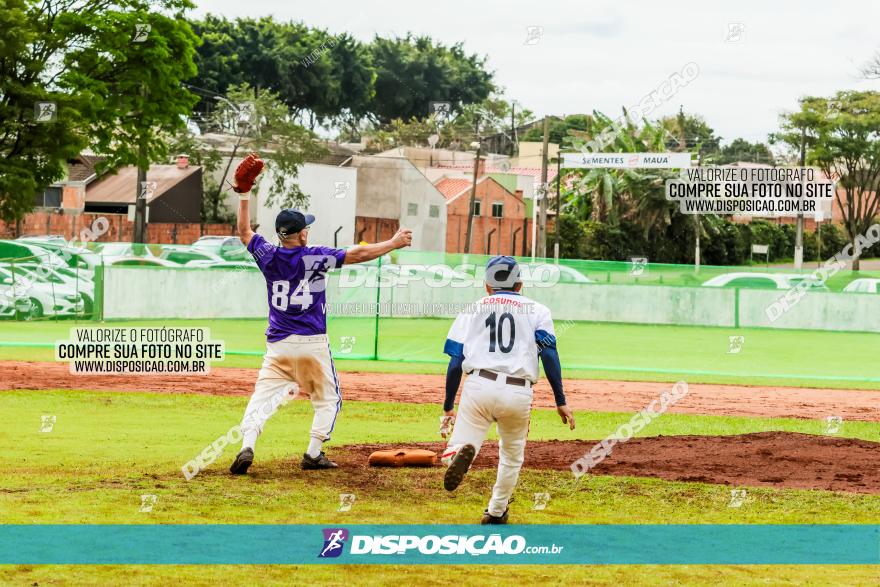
<point>497,345</point>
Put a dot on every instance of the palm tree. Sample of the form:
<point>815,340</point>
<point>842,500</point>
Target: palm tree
<point>638,195</point>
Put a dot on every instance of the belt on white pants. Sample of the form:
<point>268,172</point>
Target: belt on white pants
<point>508,379</point>
<point>304,339</point>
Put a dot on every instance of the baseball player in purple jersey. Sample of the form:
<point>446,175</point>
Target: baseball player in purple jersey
<point>297,360</point>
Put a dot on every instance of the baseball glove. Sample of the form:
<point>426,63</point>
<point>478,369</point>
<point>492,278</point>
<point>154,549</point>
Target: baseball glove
<point>246,173</point>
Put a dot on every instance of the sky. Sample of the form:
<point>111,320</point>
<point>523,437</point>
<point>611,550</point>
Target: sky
<point>754,58</point>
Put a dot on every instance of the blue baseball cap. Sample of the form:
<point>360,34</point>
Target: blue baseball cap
<point>502,272</point>
<point>291,221</point>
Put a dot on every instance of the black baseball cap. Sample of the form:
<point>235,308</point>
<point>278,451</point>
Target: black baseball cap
<point>291,221</point>
<point>502,272</point>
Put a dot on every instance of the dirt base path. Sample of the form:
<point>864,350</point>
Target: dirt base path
<point>590,395</point>
<point>763,459</point>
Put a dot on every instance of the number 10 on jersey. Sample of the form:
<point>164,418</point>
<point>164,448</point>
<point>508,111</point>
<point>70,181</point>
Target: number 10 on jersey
<point>496,332</point>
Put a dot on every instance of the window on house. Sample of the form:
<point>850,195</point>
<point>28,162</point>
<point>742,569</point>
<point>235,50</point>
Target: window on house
<point>412,209</point>
<point>497,210</point>
<point>476,207</point>
<point>434,211</point>
<point>49,198</point>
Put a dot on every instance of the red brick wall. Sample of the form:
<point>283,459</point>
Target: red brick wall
<point>120,229</point>
<point>488,192</point>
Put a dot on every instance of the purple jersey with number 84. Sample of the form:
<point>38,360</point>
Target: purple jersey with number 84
<point>296,285</point>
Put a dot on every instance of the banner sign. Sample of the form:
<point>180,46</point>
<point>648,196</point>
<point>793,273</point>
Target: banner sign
<point>626,160</point>
<point>656,544</point>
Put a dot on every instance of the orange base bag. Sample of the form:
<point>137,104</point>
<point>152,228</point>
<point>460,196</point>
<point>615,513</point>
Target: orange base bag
<point>405,457</point>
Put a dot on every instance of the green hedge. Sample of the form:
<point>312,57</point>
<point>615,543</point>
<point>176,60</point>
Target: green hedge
<point>722,242</point>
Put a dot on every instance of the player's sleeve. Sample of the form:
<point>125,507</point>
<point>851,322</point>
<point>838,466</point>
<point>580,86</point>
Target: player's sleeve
<point>261,250</point>
<point>545,338</point>
<point>327,258</point>
<point>454,347</point>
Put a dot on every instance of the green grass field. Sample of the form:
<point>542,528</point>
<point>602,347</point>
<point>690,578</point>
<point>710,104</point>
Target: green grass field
<point>627,352</point>
<point>106,449</point>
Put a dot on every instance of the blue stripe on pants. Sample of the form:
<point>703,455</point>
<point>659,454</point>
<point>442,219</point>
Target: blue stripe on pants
<point>338,392</point>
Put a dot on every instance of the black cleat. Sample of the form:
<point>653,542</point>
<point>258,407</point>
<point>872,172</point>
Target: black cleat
<point>321,462</point>
<point>459,466</point>
<point>242,461</point>
<point>490,519</point>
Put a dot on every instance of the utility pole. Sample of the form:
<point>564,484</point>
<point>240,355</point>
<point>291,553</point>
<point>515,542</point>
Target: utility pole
<point>799,229</point>
<point>558,199</point>
<point>140,203</point>
<point>470,224</point>
<point>542,203</point>
<point>141,189</point>
<point>697,229</point>
<point>513,128</point>
<point>682,147</point>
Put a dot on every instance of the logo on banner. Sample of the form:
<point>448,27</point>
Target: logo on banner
<point>334,540</point>
<point>626,160</point>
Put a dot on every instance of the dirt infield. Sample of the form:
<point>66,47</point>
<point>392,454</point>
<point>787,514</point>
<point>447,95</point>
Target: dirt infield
<point>773,459</point>
<point>599,396</point>
<point>763,459</point>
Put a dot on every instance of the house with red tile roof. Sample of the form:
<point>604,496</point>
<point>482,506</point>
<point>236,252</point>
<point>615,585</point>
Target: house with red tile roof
<point>501,224</point>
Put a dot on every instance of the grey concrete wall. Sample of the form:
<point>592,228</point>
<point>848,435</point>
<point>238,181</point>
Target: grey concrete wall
<point>387,187</point>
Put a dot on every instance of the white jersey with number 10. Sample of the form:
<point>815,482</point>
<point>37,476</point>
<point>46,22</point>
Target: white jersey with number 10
<point>501,335</point>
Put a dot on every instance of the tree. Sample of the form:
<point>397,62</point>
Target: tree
<point>843,140</point>
<point>621,192</point>
<point>743,150</point>
<point>217,57</point>
<point>492,116</point>
<point>412,72</point>
<point>560,128</point>
<point>132,79</point>
<point>116,86</point>
<point>323,76</point>
<point>271,131</point>
<point>33,154</point>
<point>334,77</point>
<point>690,132</point>
<point>134,89</point>
<point>871,69</point>
<point>209,159</point>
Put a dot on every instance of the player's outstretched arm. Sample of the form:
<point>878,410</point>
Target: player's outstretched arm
<point>363,253</point>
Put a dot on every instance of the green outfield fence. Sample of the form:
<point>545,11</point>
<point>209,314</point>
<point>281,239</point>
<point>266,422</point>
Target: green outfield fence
<point>417,284</point>
<point>399,308</point>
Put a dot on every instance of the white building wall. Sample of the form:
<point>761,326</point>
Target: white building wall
<point>332,198</point>
<point>429,233</point>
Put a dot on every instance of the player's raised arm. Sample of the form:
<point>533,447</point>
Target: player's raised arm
<point>245,175</point>
<point>363,253</point>
<point>244,221</point>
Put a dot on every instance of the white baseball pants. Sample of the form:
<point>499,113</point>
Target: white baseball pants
<point>298,366</point>
<point>484,401</point>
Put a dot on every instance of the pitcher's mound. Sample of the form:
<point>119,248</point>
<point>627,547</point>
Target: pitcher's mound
<point>774,459</point>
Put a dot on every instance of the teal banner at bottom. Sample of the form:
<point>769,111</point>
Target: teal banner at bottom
<point>440,544</point>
